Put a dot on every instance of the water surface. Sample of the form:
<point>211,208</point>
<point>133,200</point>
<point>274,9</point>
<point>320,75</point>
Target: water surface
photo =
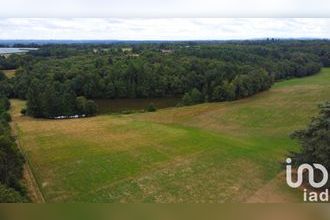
<point>11,50</point>
<point>106,106</point>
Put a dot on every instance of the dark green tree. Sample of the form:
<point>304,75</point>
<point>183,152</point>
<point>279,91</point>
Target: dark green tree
<point>91,108</point>
<point>186,99</point>
<point>11,163</point>
<point>2,76</point>
<point>315,139</point>
<point>81,105</point>
<point>34,99</point>
<point>196,96</point>
<point>224,92</point>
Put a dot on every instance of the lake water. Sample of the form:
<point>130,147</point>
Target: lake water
<point>107,106</point>
<point>10,50</point>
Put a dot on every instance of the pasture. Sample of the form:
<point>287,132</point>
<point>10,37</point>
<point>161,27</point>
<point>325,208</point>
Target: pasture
<point>207,153</point>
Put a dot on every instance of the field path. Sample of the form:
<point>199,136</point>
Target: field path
<point>272,193</point>
<point>29,179</point>
<point>32,187</point>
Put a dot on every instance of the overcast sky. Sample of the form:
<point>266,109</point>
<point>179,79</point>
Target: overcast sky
<point>164,8</point>
<point>163,28</point>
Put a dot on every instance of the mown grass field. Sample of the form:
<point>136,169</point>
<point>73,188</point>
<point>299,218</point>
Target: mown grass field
<point>213,152</point>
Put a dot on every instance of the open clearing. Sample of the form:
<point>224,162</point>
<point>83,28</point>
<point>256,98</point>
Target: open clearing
<point>213,152</point>
<point>9,73</point>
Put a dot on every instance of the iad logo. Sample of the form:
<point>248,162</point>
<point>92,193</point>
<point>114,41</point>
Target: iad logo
<point>308,196</point>
<point>301,169</point>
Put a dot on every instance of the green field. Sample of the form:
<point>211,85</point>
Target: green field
<point>213,152</point>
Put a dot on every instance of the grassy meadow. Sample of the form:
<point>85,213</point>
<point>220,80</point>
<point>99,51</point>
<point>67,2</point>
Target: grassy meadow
<point>212,152</point>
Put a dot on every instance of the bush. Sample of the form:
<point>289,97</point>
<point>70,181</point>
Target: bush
<point>151,108</point>
<point>179,105</point>
<point>23,111</point>
<point>127,112</point>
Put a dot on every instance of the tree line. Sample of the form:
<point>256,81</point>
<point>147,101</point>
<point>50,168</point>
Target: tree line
<point>11,159</point>
<point>315,142</point>
<point>208,71</point>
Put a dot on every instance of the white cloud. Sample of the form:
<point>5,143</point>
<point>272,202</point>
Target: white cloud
<point>163,28</point>
<point>165,8</point>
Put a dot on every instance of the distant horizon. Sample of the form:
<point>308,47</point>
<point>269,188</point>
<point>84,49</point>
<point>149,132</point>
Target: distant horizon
<point>163,29</point>
<point>138,40</point>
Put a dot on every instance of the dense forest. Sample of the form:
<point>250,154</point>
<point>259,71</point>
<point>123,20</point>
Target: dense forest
<point>62,80</point>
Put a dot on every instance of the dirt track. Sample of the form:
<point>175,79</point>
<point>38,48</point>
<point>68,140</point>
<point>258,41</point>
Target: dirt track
<point>270,193</point>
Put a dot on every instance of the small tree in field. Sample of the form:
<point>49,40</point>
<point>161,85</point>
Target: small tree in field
<point>315,139</point>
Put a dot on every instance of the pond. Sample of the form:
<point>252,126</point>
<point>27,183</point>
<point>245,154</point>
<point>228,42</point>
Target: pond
<point>107,106</point>
<point>11,50</point>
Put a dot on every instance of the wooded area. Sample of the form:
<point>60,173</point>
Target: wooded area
<point>52,77</point>
<point>11,160</point>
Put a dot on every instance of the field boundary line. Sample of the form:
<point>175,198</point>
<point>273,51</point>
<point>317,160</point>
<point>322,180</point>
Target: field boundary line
<point>29,177</point>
